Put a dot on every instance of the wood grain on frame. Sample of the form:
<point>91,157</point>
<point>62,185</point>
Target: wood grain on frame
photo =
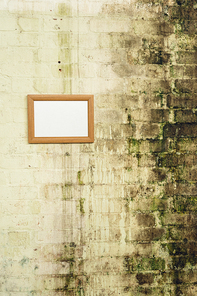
<point>31,126</point>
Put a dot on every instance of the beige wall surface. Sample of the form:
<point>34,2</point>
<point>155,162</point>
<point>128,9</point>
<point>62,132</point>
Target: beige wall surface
<point>117,216</point>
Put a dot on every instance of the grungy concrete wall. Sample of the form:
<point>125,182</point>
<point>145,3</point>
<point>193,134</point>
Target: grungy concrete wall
<point>116,217</point>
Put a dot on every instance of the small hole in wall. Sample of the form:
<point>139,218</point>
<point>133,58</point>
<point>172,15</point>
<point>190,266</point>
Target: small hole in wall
<point>59,62</point>
<point>126,109</point>
<point>60,70</point>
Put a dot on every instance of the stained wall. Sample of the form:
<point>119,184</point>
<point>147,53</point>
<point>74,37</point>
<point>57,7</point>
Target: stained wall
<point>118,216</point>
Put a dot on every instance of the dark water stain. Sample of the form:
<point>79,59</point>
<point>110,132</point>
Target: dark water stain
<point>176,235</point>
<point>145,278</point>
<point>146,220</point>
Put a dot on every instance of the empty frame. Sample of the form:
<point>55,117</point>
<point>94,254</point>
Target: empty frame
<point>60,118</point>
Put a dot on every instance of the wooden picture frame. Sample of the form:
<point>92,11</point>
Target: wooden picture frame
<point>60,118</point>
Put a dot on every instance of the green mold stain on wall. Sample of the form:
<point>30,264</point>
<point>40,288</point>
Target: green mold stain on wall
<point>172,168</point>
<point>64,9</point>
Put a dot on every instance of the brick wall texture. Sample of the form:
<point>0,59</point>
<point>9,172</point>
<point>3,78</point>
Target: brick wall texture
<point>117,216</point>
